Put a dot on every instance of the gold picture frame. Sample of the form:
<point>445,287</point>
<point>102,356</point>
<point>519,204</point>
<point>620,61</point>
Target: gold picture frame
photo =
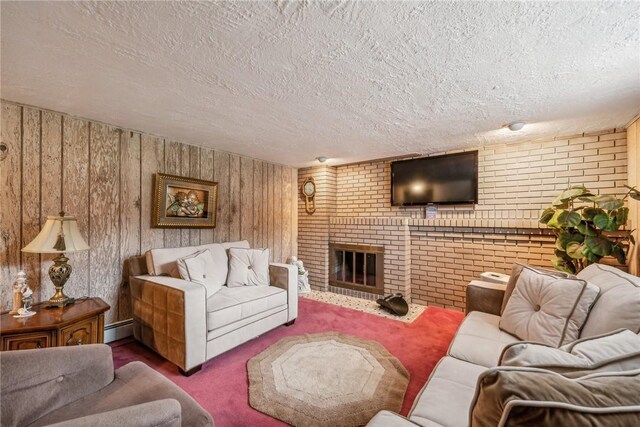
<point>181,202</point>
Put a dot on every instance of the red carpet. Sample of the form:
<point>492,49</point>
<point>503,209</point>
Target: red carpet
<point>221,386</point>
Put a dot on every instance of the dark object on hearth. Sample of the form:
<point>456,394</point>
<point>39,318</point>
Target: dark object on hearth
<point>395,304</point>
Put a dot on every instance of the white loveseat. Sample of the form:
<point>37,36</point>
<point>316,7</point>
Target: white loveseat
<point>446,398</point>
<point>175,318</point>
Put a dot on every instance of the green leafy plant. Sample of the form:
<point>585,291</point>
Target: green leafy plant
<point>588,227</point>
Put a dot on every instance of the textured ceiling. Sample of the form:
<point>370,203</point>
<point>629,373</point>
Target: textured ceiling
<point>289,81</point>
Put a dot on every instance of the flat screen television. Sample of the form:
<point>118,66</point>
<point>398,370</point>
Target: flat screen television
<point>447,179</point>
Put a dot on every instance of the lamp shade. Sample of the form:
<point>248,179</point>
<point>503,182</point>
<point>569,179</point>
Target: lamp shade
<point>60,234</point>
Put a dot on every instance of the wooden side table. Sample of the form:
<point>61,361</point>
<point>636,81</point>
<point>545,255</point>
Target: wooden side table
<point>79,323</point>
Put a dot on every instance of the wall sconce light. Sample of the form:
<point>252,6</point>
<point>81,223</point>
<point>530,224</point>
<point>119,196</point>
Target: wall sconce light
<point>3,150</point>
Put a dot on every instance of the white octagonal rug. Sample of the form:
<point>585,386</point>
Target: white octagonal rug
<point>327,379</point>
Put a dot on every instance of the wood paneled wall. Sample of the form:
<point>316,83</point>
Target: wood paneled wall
<point>103,175</point>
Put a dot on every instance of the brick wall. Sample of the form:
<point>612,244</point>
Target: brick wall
<point>313,230</point>
<point>445,259</point>
<point>516,181</point>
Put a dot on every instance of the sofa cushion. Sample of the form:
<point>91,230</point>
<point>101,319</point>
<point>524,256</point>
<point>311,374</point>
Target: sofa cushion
<point>256,321</point>
<point>446,397</point>
<point>547,309</point>
<point>220,261</point>
<point>162,261</point>
<point>515,274</point>
<point>34,382</point>
<point>391,419</point>
<point>514,396</point>
<point>160,413</point>
<point>617,306</point>
<point>479,340</point>
<point>230,305</point>
<point>248,267</point>
<point>199,268</point>
<point>134,383</point>
<point>616,351</point>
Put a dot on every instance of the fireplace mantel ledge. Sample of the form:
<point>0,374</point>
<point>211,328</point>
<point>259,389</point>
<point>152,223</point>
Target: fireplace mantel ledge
<point>439,222</point>
<point>355,220</point>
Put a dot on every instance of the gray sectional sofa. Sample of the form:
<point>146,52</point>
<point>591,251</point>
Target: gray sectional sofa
<point>447,397</point>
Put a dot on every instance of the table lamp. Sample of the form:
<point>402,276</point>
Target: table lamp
<point>59,235</point>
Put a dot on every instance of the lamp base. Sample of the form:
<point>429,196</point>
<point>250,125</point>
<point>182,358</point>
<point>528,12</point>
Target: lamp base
<point>59,272</point>
<point>59,302</point>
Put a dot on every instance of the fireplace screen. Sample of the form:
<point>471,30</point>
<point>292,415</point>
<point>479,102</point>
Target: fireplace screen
<point>358,267</point>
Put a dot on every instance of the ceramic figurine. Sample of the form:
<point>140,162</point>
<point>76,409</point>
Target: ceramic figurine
<point>303,276</point>
<point>25,295</point>
<point>19,283</point>
<point>303,279</point>
<point>303,283</point>
<point>300,266</point>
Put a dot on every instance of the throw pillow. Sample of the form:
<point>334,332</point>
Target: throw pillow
<point>616,351</point>
<point>248,267</point>
<point>238,244</point>
<point>220,261</point>
<point>547,309</point>
<point>515,274</point>
<point>618,305</point>
<point>510,396</point>
<point>199,268</point>
<point>162,261</point>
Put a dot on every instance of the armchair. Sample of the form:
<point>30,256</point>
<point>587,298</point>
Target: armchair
<point>78,386</point>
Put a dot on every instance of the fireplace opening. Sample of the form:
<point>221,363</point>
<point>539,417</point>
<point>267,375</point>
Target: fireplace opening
<point>357,267</point>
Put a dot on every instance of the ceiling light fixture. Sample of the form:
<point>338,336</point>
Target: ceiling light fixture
<point>321,159</point>
<point>515,126</point>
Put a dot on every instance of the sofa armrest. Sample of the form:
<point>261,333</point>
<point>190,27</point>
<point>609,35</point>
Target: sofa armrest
<point>485,296</point>
<point>390,419</point>
<point>285,276</point>
<point>36,382</point>
<point>170,316</point>
<point>159,413</point>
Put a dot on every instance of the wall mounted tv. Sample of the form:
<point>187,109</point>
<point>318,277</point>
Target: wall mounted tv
<point>448,179</point>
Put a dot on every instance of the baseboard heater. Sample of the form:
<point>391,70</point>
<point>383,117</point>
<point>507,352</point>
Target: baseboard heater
<point>118,330</point>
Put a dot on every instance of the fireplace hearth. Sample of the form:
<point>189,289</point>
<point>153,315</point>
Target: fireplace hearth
<point>357,267</point>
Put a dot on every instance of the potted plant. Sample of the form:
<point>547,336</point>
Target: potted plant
<point>588,228</point>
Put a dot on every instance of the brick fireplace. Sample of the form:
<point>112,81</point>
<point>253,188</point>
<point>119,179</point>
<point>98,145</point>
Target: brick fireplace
<point>388,237</point>
<point>431,260</point>
<point>357,267</point>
